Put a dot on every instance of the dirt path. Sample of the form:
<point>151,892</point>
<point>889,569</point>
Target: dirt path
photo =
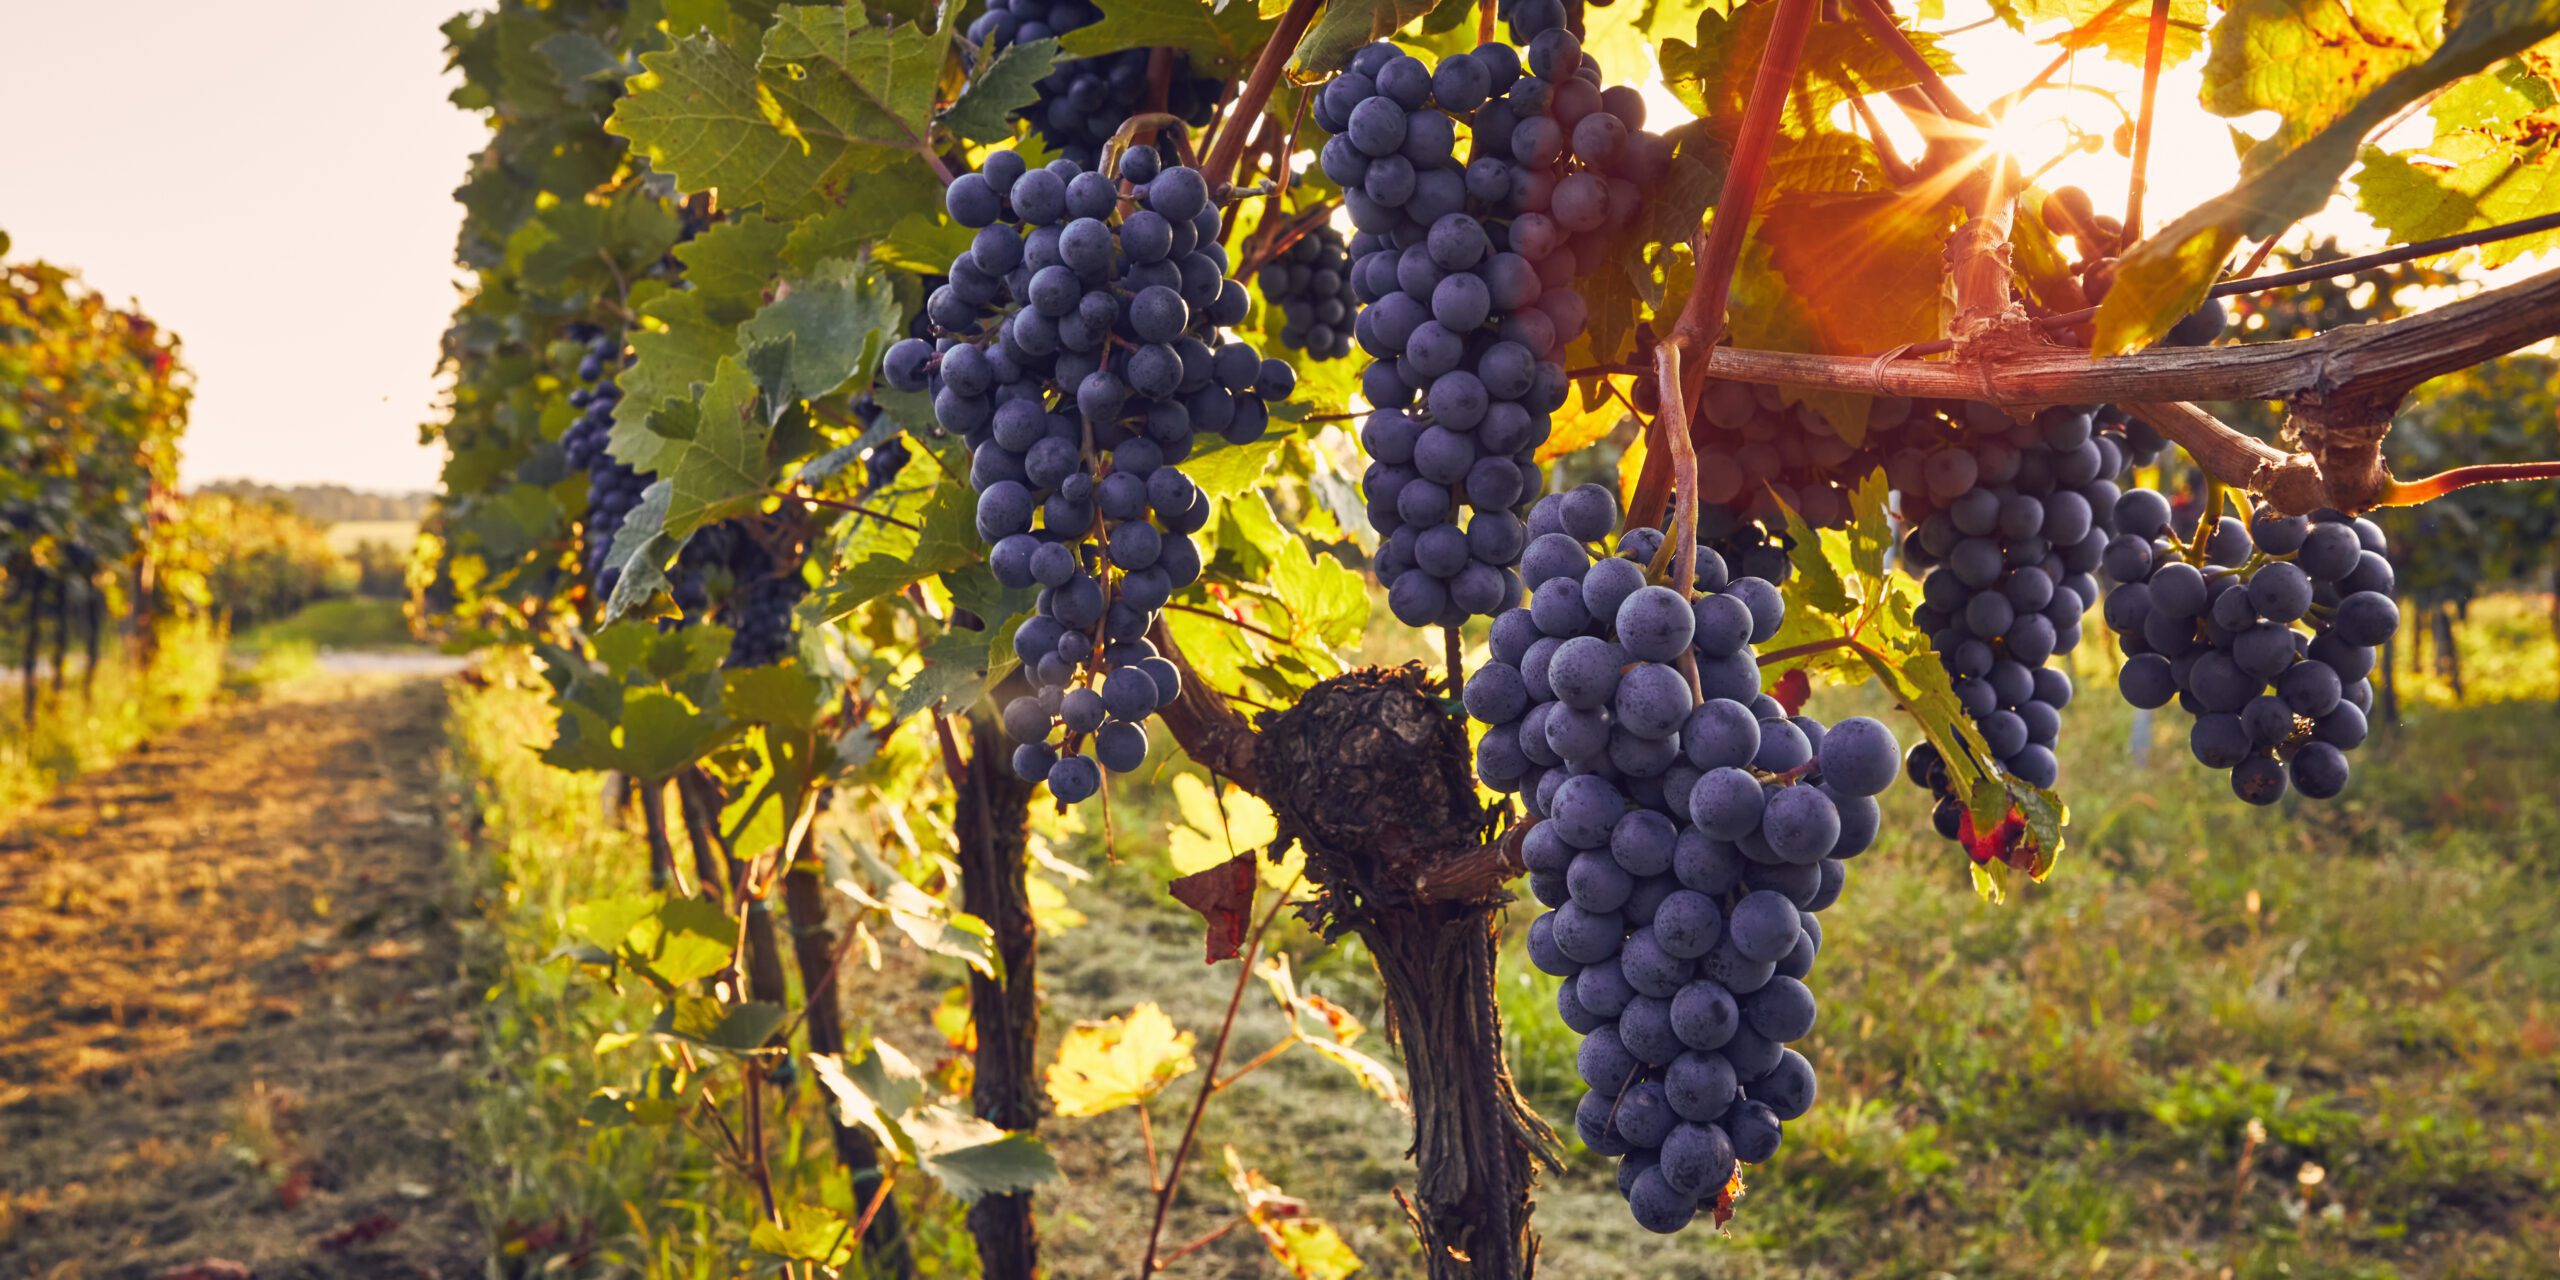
<point>231,1012</point>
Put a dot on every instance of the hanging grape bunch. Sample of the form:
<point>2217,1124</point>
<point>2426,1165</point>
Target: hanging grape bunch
<point>613,489</point>
<point>1688,842</point>
<point>2264,630</point>
<point>1078,355</point>
<point>1466,272</point>
<point>1310,282</point>
<point>2011,526</point>
<point>1083,101</point>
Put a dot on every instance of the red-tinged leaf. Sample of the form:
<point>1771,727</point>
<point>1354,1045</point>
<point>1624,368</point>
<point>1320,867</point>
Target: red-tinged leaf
<point>2010,842</point>
<point>1223,895</point>
<point>362,1231</point>
<point>210,1269</point>
<point>1792,689</point>
<point>1725,1196</point>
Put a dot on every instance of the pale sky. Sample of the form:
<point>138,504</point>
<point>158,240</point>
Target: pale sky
<point>273,180</point>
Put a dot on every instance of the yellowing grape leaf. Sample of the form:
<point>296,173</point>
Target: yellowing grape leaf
<point>1308,1246</point>
<point>1118,1062</point>
<point>1868,268</point>
<point>1217,827</point>
<point>1589,414</point>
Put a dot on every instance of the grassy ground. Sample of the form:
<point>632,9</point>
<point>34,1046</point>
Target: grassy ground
<point>2318,1041</point>
<point>95,721</point>
<point>353,622</point>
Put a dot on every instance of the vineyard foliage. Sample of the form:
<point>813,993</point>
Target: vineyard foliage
<point>691,466</point>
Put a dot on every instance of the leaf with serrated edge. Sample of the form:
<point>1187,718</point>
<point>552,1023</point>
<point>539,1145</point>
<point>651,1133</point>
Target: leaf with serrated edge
<point>1003,84</point>
<point>2166,276</point>
<point>721,471</point>
<point>840,317</point>
<point>1118,1062</point>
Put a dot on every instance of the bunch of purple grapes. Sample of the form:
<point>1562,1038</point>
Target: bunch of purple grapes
<point>1687,841</point>
<point>2266,637</point>
<point>613,488</point>
<point>1310,282</point>
<point>1079,356</point>
<point>1466,271</point>
<point>2015,526</point>
<point>1083,101</point>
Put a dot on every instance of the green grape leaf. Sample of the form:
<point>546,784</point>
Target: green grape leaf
<point>1817,560</point>
<point>680,349</point>
<point>701,1020</point>
<point>641,550</point>
<point>1768,314</point>
<point>1345,26</point>
<point>872,1090</point>
<point>721,471</point>
<point>2167,275</point>
<point>807,1233</point>
<point>972,1158</point>
<point>784,696</point>
<point>682,941</point>
<point>730,267</point>
<point>867,89</point>
<point>2309,62</point>
<point>877,558</point>
<point>1219,40</point>
<point>699,115</point>
<point>1005,83</point>
<point>899,218</point>
<point>958,666</point>
<point>839,317</point>
<point>2495,159</point>
<point>577,56</point>
<point>1225,470</point>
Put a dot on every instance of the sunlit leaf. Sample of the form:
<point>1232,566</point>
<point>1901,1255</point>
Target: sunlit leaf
<point>1118,1062</point>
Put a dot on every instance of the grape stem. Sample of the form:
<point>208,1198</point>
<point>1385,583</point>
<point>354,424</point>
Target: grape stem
<point>1879,20</point>
<point>2307,275</point>
<point>1227,144</point>
<point>1671,432</point>
<point>2151,51</point>
<point>2409,493</point>
<point>1208,1081</point>
<point>1701,323</point>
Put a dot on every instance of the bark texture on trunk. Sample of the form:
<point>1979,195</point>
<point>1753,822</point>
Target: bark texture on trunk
<point>992,820</point>
<point>1369,774</point>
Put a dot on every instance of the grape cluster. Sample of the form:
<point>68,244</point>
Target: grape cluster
<point>1080,359</point>
<point>613,488</point>
<point>2009,565</point>
<point>1310,282</point>
<point>1751,548</point>
<point>2267,637</point>
<point>1083,101</point>
<point>1466,272</point>
<point>1686,844</point>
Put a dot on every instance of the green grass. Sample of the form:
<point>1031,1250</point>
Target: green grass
<point>93,722</point>
<point>352,622</point>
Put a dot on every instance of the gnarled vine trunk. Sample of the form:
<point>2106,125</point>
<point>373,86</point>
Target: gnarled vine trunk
<point>992,814</point>
<point>1369,773</point>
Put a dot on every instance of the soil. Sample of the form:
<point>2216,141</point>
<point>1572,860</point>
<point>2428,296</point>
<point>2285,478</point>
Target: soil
<point>232,1010</point>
